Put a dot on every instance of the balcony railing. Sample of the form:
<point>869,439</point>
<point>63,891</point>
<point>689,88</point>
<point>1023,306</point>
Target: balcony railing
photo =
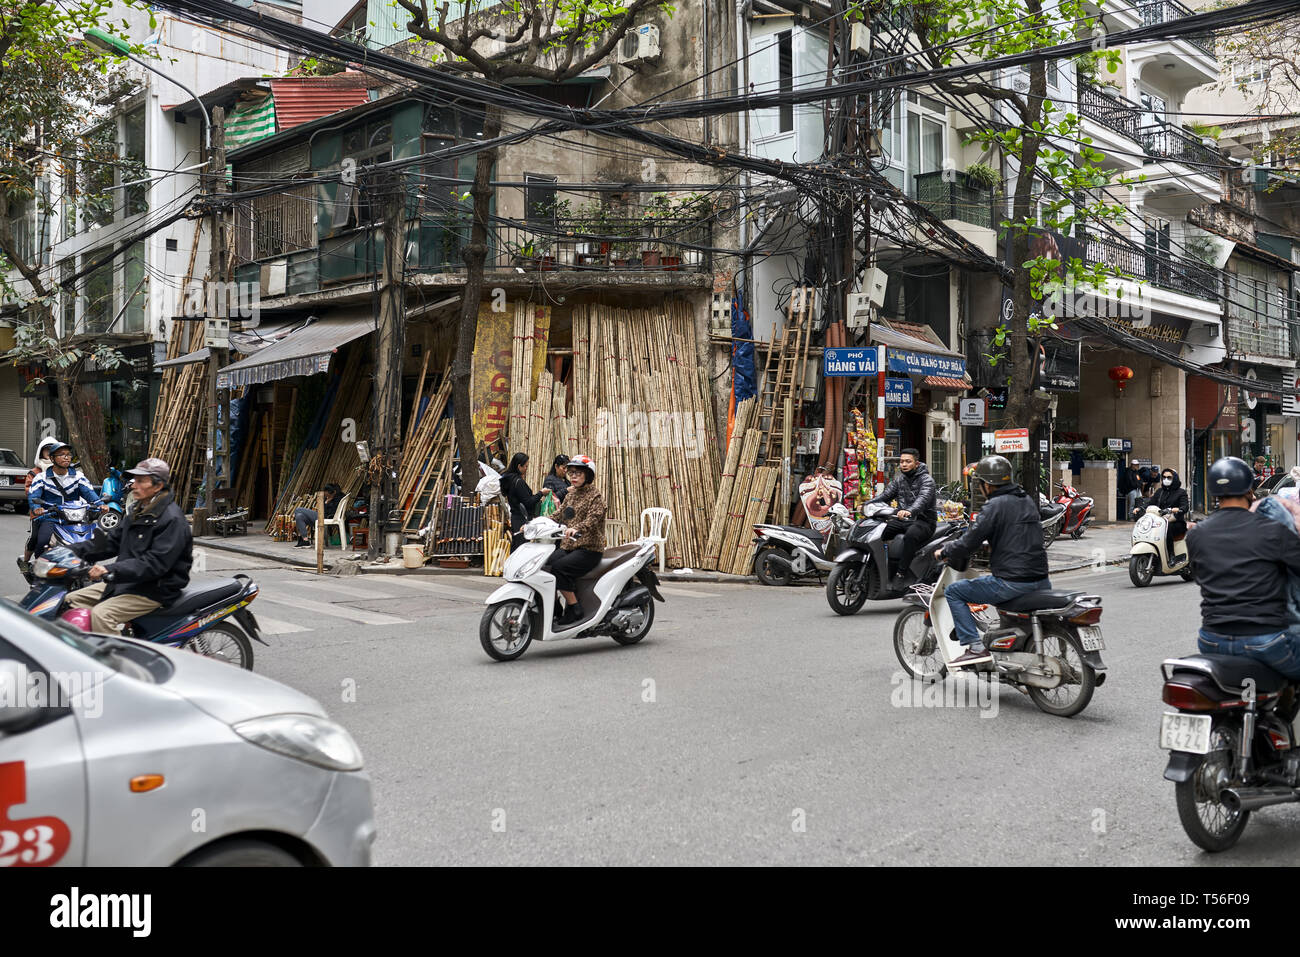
<point>1256,334</point>
<point>1169,142</point>
<point>1111,111</point>
<point>1167,11</point>
<point>1161,270</point>
<point>957,197</point>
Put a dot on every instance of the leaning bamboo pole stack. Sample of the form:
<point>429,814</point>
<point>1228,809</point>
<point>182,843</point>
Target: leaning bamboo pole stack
<point>722,502</point>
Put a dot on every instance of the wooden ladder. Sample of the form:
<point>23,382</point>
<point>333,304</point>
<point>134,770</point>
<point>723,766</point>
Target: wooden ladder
<point>783,378</point>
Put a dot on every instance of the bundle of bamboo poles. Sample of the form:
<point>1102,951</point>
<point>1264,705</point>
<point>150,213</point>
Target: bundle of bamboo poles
<point>179,412</point>
<point>424,474</point>
<point>496,541</point>
<point>740,440</point>
<point>641,410</point>
<point>331,459</point>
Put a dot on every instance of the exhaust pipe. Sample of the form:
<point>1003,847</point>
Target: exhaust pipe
<point>1252,799</point>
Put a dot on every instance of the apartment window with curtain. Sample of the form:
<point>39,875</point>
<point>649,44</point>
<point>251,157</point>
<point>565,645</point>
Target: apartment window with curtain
<point>925,138</point>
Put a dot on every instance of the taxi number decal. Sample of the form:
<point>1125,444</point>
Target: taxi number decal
<point>31,842</point>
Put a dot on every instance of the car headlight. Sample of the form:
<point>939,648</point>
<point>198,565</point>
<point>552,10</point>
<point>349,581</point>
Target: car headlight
<point>317,741</point>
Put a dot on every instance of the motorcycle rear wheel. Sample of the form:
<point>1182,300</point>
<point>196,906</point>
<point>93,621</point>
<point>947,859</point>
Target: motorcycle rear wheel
<point>1063,703</point>
<point>632,639</point>
<point>917,647</point>
<point>772,566</point>
<point>1210,825</point>
<point>506,630</point>
<point>846,588</point>
<point>109,520</point>
<point>1141,569</point>
<point>224,643</point>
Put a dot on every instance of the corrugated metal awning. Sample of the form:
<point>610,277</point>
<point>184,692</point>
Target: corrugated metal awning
<point>198,355</point>
<point>301,99</point>
<point>305,352</point>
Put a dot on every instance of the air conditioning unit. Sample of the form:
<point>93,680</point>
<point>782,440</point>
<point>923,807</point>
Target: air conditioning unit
<point>639,45</point>
<point>942,429</point>
<point>860,39</point>
<point>858,310</point>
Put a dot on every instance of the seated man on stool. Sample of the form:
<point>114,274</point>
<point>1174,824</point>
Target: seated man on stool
<point>917,497</point>
<point>154,551</point>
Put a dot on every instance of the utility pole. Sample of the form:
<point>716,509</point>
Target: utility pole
<point>390,350</point>
<point>214,327</point>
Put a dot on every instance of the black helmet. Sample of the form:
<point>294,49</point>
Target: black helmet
<point>993,469</point>
<point>1231,476</point>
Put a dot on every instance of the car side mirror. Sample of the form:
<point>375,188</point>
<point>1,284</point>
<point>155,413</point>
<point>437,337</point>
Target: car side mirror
<point>17,712</point>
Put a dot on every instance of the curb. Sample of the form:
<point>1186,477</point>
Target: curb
<point>666,579</point>
<point>254,553</point>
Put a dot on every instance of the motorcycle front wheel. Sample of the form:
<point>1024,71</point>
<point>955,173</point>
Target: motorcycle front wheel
<point>917,647</point>
<point>224,643</point>
<point>846,588</point>
<point>1210,825</point>
<point>506,630</point>
<point>109,520</point>
<point>772,566</point>
<point>1141,569</point>
<point>1078,681</point>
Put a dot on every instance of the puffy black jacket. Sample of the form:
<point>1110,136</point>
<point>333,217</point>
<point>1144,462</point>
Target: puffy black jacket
<point>1009,522</point>
<point>523,501</point>
<point>916,493</point>
<point>1175,496</point>
<point>557,484</point>
<point>154,551</point>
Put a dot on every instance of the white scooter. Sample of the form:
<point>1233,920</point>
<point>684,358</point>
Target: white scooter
<point>526,606</point>
<point>1047,643</point>
<point>1150,553</point>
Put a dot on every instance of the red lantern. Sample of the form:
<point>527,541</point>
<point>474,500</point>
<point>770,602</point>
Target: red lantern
<point>1120,375</point>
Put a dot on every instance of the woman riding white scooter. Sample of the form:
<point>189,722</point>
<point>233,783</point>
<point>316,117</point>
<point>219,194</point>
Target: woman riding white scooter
<point>1170,495</point>
<point>579,552</point>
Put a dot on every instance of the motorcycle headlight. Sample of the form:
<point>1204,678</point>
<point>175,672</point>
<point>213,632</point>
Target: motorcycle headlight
<point>528,567</point>
<point>305,737</point>
<point>75,514</point>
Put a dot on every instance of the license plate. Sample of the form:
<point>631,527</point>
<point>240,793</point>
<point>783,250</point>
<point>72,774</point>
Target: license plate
<point>1091,638</point>
<point>1185,732</point>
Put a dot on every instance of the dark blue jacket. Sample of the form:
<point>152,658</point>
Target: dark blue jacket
<point>1010,523</point>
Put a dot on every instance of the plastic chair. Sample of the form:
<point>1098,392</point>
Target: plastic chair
<point>339,521</point>
<point>655,525</point>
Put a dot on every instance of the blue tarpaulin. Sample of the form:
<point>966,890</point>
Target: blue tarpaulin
<point>742,352</point>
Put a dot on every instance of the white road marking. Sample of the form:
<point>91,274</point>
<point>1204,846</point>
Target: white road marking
<point>351,590</point>
<point>427,587</point>
<point>334,610</point>
<point>686,592</point>
<point>274,626</point>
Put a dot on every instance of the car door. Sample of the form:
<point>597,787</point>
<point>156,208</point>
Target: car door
<point>42,774</point>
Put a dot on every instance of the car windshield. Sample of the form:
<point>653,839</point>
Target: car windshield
<point>99,647</point>
<point>8,458</point>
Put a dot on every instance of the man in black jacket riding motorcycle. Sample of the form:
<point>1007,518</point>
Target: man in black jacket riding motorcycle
<point>154,551</point>
<point>1010,523</point>
<point>914,489</point>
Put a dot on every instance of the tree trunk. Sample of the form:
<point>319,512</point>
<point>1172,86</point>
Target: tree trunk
<point>77,436</point>
<point>475,255</point>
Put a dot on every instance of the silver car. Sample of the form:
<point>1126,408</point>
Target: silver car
<point>13,481</point>
<point>119,752</point>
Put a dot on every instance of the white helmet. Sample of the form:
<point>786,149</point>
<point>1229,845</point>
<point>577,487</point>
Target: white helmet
<point>585,463</point>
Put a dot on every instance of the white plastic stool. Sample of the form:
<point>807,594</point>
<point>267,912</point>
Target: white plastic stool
<point>655,525</point>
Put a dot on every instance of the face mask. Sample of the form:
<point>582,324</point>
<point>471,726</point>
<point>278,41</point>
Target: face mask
<point>1167,482</point>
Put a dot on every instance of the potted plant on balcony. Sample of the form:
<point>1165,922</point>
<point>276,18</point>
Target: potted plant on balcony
<point>590,220</point>
<point>621,253</point>
<point>983,176</point>
<point>1098,458</point>
<point>657,209</point>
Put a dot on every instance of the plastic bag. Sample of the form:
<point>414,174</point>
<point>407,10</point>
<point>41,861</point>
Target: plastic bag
<point>548,507</point>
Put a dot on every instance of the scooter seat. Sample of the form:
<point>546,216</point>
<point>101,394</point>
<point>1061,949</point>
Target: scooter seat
<point>1040,600</point>
<point>195,597</point>
<point>811,533</point>
<point>611,558</point>
<point>1230,672</point>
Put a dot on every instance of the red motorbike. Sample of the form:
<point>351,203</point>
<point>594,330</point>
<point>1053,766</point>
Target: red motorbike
<point>1078,509</point>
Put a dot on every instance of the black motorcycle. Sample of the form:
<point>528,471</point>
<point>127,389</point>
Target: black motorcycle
<point>866,564</point>
<point>1231,742</point>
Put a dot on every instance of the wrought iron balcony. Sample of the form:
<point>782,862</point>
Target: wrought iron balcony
<point>1160,269</point>
<point>1167,11</point>
<point>957,197</point>
<point>1169,142</point>
<point>1110,110</point>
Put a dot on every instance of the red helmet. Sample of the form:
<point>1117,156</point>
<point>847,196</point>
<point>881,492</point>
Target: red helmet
<point>583,462</point>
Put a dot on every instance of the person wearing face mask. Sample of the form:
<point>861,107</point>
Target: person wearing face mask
<point>1171,495</point>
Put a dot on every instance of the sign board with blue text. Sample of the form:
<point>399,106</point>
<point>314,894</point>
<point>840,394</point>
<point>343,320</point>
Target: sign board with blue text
<point>846,361</point>
<point>898,393</point>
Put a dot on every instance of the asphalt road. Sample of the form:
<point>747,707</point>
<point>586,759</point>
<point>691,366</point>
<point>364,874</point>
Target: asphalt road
<point>752,726</point>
